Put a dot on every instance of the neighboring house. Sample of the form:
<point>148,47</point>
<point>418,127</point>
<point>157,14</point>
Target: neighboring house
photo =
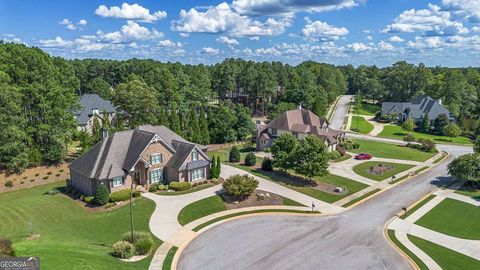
<point>146,155</point>
<point>93,106</point>
<point>300,123</point>
<point>417,109</point>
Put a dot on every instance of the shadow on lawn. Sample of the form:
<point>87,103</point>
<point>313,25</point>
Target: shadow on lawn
<point>288,179</point>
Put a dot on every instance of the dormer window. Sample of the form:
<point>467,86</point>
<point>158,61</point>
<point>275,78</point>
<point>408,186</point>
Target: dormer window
<point>194,155</point>
<point>156,158</point>
<point>95,111</point>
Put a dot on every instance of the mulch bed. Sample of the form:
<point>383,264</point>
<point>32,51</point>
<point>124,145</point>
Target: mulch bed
<point>257,198</point>
<point>380,169</point>
<point>32,177</point>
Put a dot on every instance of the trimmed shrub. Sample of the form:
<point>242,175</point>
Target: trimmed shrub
<point>57,175</point>
<point>333,155</point>
<point>267,164</point>
<point>25,177</point>
<point>45,177</point>
<point>240,185</point>
<point>234,155</point>
<point>349,144</point>
<point>89,199</point>
<point>32,180</point>
<point>250,159</point>
<point>143,241</point>
<point>119,196</point>
<point>153,188</point>
<point>180,186</point>
<point>37,174</point>
<point>101,197</point>
<point>123,249</point>
<point>162,187</point>
<point>61,170</point>
<point>136,193</point>
<point>6,248</point>
<point>9,183</point>
<point>52,191</point>
<point>49,173</point>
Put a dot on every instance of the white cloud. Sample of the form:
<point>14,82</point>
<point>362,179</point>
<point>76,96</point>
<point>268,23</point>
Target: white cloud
<point>425,43</point>
<point>130,12</point>
<point>466,9</point>
<point>369,38</point>
<point>71,26</point>
<point>129,32</point>
<point>82,22</point>
<point>358,47</point>
<point>255,38</point>
<point>227,41</point>
<point>12,38</point>
<point>210,51</point>
<point>476,29</point>
<point>323,31</point>
<point>288,7</point>
<point>433,21</point>
<point>222,19</point>
<point>58,42</point>
<point>385,46</point>
<point>169,44</point>
<point>396,39</point>
<point>268,51</point>
<point>184,35</point>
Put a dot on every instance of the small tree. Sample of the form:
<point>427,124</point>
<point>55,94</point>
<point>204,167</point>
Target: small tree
<point>476,146</point>
<point>409,138</point>
<point>267,164</point>
<point>234,155</point>
<point>408,125</point>
<point>440,122</point>
<point>6,248</point>
<point>452,130</point>
<point>250,159</point>
<point>213,168</point>
<point>102,196</point>
<point>281,149</point>
<point>466,167</point>
<point>310,157</point>
<point>218,170</point>
<point>425,125</point>
<point>240,186</point>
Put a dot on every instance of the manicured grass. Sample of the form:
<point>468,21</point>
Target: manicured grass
<point>200,209</point>
<point>396,132</point>
<point>340,159</point>
<point>421,169</point>
<point>418,262</point>
<point>363,169</point>
<point>388,150</point>
<point>417,206</point>
<point>369,108</point>
<point>70,237</point>
<point>359,124</point>
<point>224,153</point>
<point>440,158</point>
<point>446,258</point>
<point>474,194</point>
<point>453,218</point>
<point>352,186</point>
<point>167,263</point>
<point>193,189</point>
<point>290,202</point>
<point>201,226</point>
<point>366,195</point>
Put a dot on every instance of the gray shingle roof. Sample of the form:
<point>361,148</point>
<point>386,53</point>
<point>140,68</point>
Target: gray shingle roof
<point>89,102</point>
<point>417,108</point>
<point>200,163</point>
<point>119,152</point>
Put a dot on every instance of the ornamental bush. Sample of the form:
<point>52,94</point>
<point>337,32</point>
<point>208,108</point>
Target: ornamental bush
<point>123,249</point>
<point>9,183</point>
<point>143,241</point>
<point>121,195</point>
<point>102,196</point>
<point>6,248</point>
<point>240,185</point>
<point>180,186</point>
<point>250,159</point>
<point>267,164</point>
<point>234,155</point>
<point>333,155</point>
<point>153,187</point>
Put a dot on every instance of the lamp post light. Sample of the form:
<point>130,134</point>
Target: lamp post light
<point>131,213</point>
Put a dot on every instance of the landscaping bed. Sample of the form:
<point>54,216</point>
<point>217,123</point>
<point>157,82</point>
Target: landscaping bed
<point>378,170</point>
<point>389,150</point>
<point>469,190</point>
<point>32,177</point>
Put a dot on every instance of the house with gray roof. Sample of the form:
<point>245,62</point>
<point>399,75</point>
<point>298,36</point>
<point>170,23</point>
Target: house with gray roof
<point>142,156</point>
<point>93,106</point>
<point>300,123</point>
<point>416,109</point>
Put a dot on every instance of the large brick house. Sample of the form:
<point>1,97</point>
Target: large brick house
<point>300,123</point>
<point>93,106</point>
<point>143,156</point>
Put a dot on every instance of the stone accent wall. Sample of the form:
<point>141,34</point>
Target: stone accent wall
<point>157,148</point>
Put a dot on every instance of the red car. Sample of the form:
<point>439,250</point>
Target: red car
<point>363,156</point>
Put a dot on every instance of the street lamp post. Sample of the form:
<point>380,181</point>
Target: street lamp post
<point>131,214</point>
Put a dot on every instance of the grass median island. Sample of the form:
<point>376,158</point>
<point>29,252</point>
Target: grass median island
<point>167,263</point>
<point>201,209</point>
<point>67,235</point>
<point>396,132</point>
<point>359,124</point>
<point>417,206</point>
<point>418,262</point>
<point>454,218</point>
<point>366,195</point>
<point>446,258</point>
<point>379,170</point>
<point>369,108</point>
<point>389,150</point>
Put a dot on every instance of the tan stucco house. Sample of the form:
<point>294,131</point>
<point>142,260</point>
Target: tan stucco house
<point>142,156</point>
<point>300,123</point>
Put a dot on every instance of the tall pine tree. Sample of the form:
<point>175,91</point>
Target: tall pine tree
<point>203,126</point>
<point>175,122</point>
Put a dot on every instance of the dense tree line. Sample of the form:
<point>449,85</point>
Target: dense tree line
<point>457,88</point>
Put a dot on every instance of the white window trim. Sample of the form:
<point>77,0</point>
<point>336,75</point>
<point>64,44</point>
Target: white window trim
<point>200,175</point>
<point>113,181</point>
<point>160,158</point>
<point>194,153</point>
<point>160,175</point>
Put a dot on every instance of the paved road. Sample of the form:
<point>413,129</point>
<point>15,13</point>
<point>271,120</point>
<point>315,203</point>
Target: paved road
<point>340,112</point>
<point>352,240</point>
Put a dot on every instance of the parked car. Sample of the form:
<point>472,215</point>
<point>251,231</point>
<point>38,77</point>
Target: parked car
<point>363,156</point>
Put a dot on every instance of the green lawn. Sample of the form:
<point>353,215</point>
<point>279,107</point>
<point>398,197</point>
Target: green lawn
<point>420,264</point>
<point>474,194</point>
<point>352,186</point>
<point>191,190</point>
<point>363,169</point>
<point>369,108</point>
<point>167,263</point>
<point>453,218</point>
<point>446,258</point>
<point>223,153</point>
<point>388,150</point>
<point>417,206</point>
<point>359,124</point>
<point>396,132</point>
<point>200,209</point>
<point>366,195</point>
<point>70,236</point>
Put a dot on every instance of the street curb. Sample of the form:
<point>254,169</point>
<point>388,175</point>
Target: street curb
<point>399,250</point>
<point>182,247</point>
<point>330,112</point>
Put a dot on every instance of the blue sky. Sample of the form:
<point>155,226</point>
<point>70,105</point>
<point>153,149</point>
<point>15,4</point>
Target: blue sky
<point>440,32</point>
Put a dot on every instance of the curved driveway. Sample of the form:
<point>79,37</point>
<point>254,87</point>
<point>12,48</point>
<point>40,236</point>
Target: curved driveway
<point>351,240</point>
